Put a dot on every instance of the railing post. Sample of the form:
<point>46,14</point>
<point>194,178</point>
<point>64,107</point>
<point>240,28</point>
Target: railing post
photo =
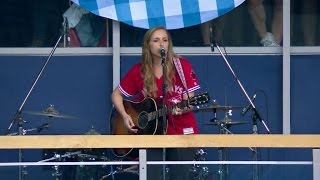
<point>316,164</point>
<point>142,164</point>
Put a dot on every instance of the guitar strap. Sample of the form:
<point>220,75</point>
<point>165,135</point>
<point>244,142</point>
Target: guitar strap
<point>178,66</point>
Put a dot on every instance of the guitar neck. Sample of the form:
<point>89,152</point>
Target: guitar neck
<point>194,101</point>
<point>165,110</point>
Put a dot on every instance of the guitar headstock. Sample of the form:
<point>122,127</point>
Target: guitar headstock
<point>199,99</point>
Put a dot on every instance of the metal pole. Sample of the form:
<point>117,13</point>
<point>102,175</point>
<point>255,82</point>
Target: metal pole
<point>316,164</point>
<point>142,164</point>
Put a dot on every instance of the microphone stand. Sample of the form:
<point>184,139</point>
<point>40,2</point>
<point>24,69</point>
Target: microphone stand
<point>255,170</point>
<point>19,111</point>
<point>256,114</point>
<point>164,119</point>
<point>18,117</point>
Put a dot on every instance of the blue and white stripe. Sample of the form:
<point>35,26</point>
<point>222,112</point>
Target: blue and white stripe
<point>172,14</point>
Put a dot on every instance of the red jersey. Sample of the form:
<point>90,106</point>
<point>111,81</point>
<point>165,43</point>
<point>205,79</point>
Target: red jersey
<point>132,85</point>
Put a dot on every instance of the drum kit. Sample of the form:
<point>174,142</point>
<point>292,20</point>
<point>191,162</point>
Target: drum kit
<point>200,172</point>
<point>89,172</point>
<point>77,172</point>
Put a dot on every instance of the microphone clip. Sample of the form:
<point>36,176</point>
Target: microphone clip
<point>247,107</point>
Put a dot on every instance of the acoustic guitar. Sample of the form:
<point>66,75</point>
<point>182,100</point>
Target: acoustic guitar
<point>148,118</point>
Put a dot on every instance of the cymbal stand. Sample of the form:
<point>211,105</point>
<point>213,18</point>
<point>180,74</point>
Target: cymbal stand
<point>223,155</point>
<point>214,112</point>
<point>199,171</point>
<point>57,173</point>
<point>21,131</point>
<point>225,128</point>
<point>223,171</point>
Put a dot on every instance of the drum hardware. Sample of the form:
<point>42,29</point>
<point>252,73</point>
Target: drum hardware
<point>121,176</point>
<point>116,170</point>
<point>226,122</point>
<point>37,129</point>
<point>22,169</point>
<point>224,125</point>
<point>61,157</point>
<point>223,171</point>
<point>84,172</point>
<point>92,131</point>
<point>89,157</point>
<point>92,154</point>
<point>131,170</point>
<point>57,173</point>
<point>50,112</point>
<point>21,131</point>
<point>199,172</point>
<point>217,108</point>
<point>215,103</point>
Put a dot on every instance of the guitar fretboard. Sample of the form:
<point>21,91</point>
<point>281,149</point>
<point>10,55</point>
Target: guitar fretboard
<point>163,111</point>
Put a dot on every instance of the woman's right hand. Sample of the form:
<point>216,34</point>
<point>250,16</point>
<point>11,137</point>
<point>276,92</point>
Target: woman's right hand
<point>128,123</point>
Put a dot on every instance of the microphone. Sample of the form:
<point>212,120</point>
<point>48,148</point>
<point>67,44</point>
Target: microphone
<point>245,109</point>
<point>46,125</point>
<point>162,52</point>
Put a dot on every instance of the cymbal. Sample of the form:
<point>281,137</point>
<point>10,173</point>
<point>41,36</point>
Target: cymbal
<point>50,112</point>
<point>226,122</point>
<point>217,108</point>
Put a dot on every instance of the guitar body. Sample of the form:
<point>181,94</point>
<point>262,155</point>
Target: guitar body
<point>147,118</point>
<point>138,112</point>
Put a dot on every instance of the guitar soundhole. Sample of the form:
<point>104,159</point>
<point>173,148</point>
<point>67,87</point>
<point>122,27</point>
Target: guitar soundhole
<point>143,120</point>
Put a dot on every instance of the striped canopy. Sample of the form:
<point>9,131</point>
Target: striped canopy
<point>172,14</point>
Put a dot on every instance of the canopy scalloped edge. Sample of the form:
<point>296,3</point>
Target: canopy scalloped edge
<point>172,14</point>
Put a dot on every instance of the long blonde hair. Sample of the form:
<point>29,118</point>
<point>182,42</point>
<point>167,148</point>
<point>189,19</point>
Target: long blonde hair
<point>149,84</point>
